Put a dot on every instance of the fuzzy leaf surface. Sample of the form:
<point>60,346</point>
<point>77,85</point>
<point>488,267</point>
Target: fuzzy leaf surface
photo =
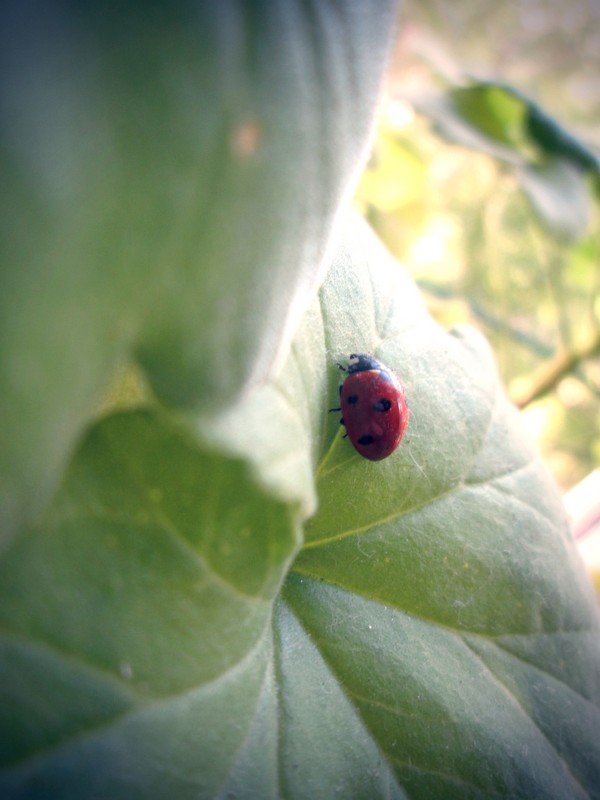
<point>177,626</point>
<point>169,179</point>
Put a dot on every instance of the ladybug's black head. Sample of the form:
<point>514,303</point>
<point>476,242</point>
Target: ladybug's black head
<point>359,362</point>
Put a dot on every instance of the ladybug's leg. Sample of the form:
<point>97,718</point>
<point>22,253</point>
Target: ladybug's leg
<point>337,409</point>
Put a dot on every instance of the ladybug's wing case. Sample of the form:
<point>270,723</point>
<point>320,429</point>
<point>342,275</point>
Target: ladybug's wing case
<point>375,412</point>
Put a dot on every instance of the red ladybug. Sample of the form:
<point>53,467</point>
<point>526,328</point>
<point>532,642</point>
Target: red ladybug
<point>373,405</point>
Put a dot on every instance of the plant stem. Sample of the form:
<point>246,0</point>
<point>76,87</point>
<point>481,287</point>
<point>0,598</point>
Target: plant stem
<point>550,374</point>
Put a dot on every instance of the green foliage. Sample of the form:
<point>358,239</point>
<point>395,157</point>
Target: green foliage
<point>491,110</point>
<point>551,163</point>
<point>217,597</point>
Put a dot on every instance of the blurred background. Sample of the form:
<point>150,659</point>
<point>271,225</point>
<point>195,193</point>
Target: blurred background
<point>485,183</point>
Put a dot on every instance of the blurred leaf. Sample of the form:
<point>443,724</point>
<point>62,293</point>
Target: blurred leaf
<point>434,636</point>
<point>480,134</point>
<point>551,164</point>
<point>559,196</point>
<point>554,140</point>
<point>582,265</point>
<point>502,113</point>
<point>491,110</point>
<point>170,176</point>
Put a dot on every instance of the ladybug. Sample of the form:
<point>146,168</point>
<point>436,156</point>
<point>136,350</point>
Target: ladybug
<point>373,405</point>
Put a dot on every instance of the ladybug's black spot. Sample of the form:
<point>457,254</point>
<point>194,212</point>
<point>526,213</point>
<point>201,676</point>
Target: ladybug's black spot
<point>366,440</point>
<point>352,400</point>
<point>342,421</point>
<point>382,405</point>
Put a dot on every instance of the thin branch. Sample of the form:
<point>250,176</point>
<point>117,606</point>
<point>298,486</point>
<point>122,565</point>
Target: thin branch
<point>550,374</point>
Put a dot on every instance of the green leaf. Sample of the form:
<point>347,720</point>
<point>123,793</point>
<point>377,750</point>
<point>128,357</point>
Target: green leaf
<point>139,613</point>
<point>555,141</point>
<point>167,630</point>
<point>492,110</point>
<point>496,114</point>
<point>170,175</point>
<point>551,164</point>
<point>473,118</point>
